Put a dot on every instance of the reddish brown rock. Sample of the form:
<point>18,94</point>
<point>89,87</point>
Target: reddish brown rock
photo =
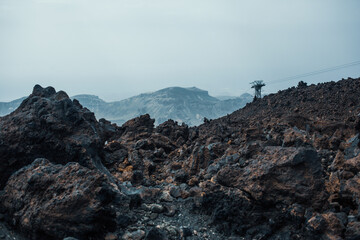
<point>334,224</point>
<point>287,175</point>
<point>316,224</point>
<point>177,133</point>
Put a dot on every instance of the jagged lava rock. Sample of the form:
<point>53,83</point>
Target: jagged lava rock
<point>48,201</point>
<point>279,175</point>
<point>284,167</point>
<point>177,133</point>
<point>139,125</point>
<point>48,124</point>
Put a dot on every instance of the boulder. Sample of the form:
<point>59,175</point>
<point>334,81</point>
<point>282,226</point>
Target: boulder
<point>279,175</point>
<point>48,201</point>
<point>142,125</point>
<point>171,129</point>
<point>48,124</point>
<point>156,234</point>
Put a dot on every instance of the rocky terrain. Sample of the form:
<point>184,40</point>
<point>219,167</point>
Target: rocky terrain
<point>283,167</point>
<point>184,105</point>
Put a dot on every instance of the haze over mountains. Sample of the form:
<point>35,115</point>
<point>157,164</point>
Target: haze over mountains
<point>184,105</point>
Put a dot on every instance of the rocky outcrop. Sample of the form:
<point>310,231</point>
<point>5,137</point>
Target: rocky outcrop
<point>175,132</point>
<point>141,125</point>
<point>278,175</point>
<point>48,124</point>
<point>48,201</point>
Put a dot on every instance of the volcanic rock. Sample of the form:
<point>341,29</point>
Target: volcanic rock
<point>176,133</point>
<point>48,124</point>
<point>353,231</point>
<point>140,125</point>
<point>136,235</point>
<point>54,201</point>
<point>155,234</point>
<point>277,174</point>
<point>284,167</point>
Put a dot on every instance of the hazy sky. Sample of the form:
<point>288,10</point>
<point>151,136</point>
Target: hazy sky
<point>119,48</point>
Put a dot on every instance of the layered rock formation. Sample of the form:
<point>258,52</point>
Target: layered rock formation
<point>184,105</point>
<point>284,167</point>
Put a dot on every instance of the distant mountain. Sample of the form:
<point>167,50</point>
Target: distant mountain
<point>188,105</point>
<point>8,107</point>
<point>223,97</point>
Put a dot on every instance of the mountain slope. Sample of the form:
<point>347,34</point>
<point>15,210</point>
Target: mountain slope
<point>324,103</point>
<point>189,105</point>
<point>8,107</point>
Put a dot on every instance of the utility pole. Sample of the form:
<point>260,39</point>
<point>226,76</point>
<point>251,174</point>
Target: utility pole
<point>258,84</point>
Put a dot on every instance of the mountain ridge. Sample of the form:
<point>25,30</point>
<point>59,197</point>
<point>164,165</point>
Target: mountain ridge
<point>184,105</point>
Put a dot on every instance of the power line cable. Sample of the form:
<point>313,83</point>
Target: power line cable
<point>315,72</point>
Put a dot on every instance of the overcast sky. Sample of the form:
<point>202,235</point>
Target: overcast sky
<point>119,48</point>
